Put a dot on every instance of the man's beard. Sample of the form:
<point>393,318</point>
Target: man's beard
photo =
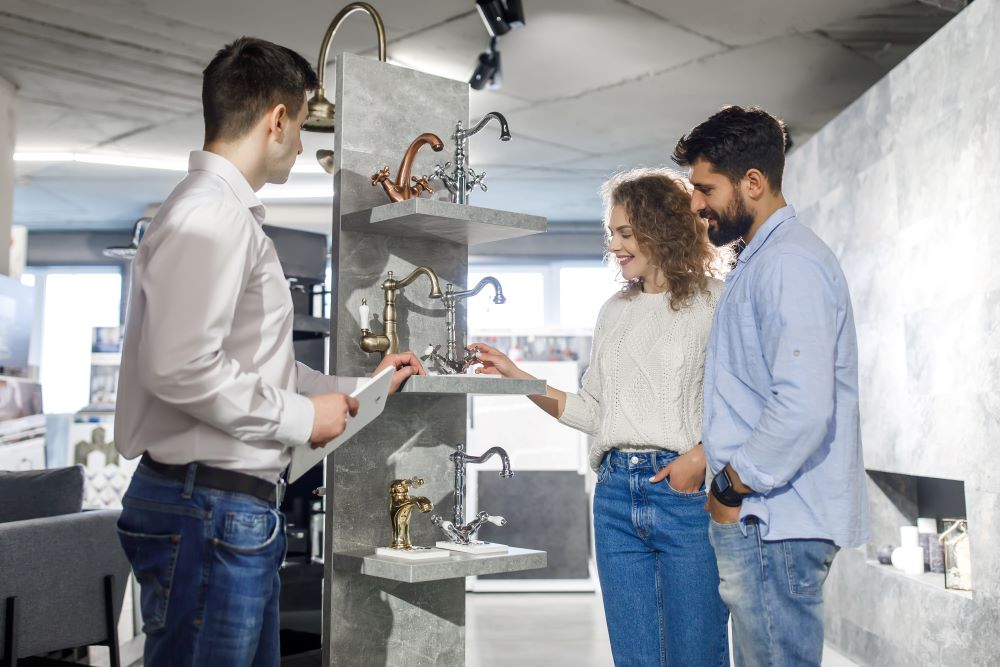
<point>731,225</point>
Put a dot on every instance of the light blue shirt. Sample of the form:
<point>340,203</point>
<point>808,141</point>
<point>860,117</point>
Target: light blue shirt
<point>781,388</point>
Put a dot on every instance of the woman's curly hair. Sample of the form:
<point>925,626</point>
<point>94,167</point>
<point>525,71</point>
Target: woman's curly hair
<point>657,203</point>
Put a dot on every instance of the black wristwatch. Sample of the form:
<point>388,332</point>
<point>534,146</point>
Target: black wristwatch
<point>722,489</point>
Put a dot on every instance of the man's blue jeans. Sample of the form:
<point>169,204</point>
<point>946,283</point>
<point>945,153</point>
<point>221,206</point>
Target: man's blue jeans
<point>657,568</point>
<point>774,591</point>
<point>207,565</point>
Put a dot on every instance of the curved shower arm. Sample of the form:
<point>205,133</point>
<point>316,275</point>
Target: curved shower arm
<point>324,49</point>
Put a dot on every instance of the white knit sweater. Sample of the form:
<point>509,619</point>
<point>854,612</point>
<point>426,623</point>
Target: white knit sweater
<point>644,387</point>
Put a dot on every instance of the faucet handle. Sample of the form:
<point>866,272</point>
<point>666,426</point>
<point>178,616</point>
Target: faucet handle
<point>420,185</point>
<point>476,179</point>
<point>380,175</point>
<point>497,520</point>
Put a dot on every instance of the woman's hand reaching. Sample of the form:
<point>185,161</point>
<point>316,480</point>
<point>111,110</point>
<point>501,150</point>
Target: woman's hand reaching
<point>495,362</point>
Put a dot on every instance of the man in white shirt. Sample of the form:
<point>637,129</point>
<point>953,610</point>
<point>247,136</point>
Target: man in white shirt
<point>209,393</point>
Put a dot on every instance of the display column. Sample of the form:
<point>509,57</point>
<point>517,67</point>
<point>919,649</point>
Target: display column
<point>370,620</point>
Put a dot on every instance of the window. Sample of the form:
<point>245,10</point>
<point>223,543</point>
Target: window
<point>525,305</point>
<point>582,292</point>
<point>72,301</point>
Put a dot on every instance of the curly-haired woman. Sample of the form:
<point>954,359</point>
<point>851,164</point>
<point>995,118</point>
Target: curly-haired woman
<point>641,399</point>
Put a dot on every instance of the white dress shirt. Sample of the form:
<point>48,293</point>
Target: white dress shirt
<point>208,373</point>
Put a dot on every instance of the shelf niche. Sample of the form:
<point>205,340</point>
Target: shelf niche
<point>898,500</point>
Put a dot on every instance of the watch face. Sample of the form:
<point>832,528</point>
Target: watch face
<point>721,481</point>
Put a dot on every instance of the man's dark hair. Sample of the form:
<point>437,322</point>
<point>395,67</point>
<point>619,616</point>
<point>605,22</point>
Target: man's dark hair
<point>735,140</point>
<point>247,79</point>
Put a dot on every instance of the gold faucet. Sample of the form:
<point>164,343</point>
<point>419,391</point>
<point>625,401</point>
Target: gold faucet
<point>401,189</point>
<point>388,343</point>
<point>401,506</point>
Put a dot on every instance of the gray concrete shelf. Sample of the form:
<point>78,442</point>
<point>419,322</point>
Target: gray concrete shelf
<point>932,580</point>
<point>456,565</point>
<point>470,384</point>
<point>442,221</point>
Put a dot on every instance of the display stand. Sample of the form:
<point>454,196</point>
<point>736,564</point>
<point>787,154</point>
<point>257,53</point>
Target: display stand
<point>383,611</point>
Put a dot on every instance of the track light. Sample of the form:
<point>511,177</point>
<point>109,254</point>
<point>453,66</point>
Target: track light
<point>487,72</point>
<point>501,16</point>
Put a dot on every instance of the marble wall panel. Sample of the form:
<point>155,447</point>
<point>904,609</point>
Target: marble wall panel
<point>901,186</point>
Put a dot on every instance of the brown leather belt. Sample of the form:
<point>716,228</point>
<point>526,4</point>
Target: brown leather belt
<point>216,478</point>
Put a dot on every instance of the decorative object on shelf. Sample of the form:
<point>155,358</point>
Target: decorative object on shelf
<point>463,179</point>
<point>401,506</point>
<point>957,554</point>
<point>908,559</point>
<point>388,343</point>
<point>401,189</point>
<point>462,535</point>
<point>322,112</point>
<point>884,554</point>
<point>926,533</point>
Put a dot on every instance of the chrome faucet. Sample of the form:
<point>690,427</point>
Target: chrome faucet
<point>463,179</point>
<point>389,341</point>
<point>450,300</point>
<point>437,362</point>
<point>457,530</point>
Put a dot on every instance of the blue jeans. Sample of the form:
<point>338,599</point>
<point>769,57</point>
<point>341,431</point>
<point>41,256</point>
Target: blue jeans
<point>657,568</point>
<point>774,591</point>
<point>207,565</point>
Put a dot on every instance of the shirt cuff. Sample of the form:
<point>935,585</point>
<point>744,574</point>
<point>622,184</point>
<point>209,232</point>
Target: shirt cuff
<point>750,475</point>
<point>297,418</point>
<point>575,413</point>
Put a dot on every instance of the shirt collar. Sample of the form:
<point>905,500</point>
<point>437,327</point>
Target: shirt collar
<point>760,238</point>
<point>214,163</point>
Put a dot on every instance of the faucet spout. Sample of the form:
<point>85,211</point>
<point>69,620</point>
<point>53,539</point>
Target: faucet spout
<point>492,115</point>
<point>417,272</point>
<point>505,471</point>
<point>498,296</point>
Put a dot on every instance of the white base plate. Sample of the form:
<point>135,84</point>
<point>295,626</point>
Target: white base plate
<point>417,553</point>
<point>474,548</point>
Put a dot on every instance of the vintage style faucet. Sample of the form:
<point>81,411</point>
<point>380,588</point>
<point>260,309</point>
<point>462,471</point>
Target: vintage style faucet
<point>451,298</point>
<point>401,189</point>
<point>457,530</point>
<point>463,179</point>
<point>388,343</point>
<point>401,506</point>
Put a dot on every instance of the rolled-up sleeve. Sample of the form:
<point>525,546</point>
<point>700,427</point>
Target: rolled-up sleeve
<point>796,309</point>
<point>192,283</point>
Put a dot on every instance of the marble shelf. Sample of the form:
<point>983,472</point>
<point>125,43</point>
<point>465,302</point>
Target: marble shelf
<point>442,221</point>
<point>933,580</point>
<point>470,384</point>
<point>454,566</point>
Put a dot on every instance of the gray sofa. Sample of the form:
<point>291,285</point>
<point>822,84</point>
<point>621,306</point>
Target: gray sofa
<point>62,570</point>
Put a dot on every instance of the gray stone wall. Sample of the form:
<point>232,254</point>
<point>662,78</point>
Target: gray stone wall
<point>903,186</point>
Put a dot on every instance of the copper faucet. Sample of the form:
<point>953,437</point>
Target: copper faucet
<point>401,189</point>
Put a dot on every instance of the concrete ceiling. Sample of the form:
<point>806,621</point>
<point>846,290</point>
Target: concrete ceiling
<point>589,86</point>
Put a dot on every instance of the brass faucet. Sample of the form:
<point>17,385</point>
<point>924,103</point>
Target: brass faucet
<point>401,189</point>
<point>401,505</point>
<point>388,343</point>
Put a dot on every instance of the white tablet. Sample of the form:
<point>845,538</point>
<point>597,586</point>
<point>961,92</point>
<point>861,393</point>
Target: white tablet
<point>371,396</point>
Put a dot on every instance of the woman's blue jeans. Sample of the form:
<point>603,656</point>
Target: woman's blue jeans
<point>207,565</point>
<point>657,568</point>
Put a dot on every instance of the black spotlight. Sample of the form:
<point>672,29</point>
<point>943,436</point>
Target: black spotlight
<point>501,16</point>
<point>487,72</point>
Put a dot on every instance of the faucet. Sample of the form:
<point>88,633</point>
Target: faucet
<point>461,181</point>
<point>451,298</point>
<point>457,530</point>
<point>400,189</point>
<point>401,505</point>
<point>389,341</point>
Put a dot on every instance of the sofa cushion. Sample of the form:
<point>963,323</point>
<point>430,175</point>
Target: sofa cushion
<point>33,494</point>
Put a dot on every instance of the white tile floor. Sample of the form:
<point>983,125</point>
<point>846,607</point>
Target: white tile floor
<point>547,630</point>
